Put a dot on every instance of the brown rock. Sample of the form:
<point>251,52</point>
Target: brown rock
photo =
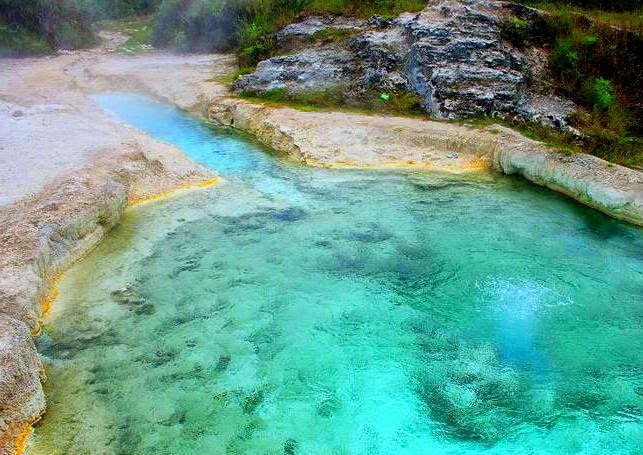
<point>21,396</point>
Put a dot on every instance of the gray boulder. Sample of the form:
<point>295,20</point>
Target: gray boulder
<point>452,55</point>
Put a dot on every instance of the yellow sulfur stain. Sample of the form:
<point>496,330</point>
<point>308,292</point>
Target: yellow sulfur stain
<point>47,301</point>
<point>473,165</point>
<point>21,440</point>
<point>136,201</point>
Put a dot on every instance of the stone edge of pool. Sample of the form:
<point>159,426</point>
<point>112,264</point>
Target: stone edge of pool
<point>44,235</point>
<point>339,139</point>
<point>62,224</point>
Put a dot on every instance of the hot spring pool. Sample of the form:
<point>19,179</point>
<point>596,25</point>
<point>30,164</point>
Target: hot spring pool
<point>291,310</point>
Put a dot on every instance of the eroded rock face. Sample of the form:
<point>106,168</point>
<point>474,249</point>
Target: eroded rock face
<point>452,55</point>
<point>21,396</point>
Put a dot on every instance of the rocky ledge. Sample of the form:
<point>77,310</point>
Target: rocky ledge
<point>348,139</point>
<point>453,55</point>
<point>43,235</point>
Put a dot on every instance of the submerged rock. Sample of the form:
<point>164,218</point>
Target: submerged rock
<point>453,55</point>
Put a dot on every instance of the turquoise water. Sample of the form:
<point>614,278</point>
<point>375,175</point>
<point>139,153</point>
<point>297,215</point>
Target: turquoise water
<point>291,310</point>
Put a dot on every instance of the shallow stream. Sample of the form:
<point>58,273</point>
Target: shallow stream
<point>292,310</point>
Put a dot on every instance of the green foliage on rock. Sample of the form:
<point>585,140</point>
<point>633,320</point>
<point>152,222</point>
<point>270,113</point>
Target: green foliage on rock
<point>399,102</point>
<point>601,94</point>
<point>598,66</point>
<point>516,30</point>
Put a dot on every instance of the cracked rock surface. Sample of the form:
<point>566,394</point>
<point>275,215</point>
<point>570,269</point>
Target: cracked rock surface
<point>452,54</point>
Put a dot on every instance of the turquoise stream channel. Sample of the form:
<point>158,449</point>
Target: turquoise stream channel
<point>293,310</point>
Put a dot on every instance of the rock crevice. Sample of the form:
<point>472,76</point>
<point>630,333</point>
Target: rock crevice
<point>453,55</point>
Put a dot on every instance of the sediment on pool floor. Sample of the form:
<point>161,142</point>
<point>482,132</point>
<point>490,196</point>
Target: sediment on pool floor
<point>58,228</point>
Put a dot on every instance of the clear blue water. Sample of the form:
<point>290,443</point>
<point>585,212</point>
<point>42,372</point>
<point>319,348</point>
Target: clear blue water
<point>292,310</point>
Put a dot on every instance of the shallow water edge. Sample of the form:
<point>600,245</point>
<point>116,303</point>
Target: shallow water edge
<point>338,139</point>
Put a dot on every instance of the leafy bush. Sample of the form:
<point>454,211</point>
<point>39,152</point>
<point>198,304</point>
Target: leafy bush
<point>516,30</point>
<point>564,59</point>
<point>598,66</point>
<point>610,5</point>
<point>16,40</point>
<point>601,94</point>
<point>255,43</point>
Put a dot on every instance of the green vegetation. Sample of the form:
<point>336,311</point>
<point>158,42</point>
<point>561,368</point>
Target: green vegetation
<point>600,94</point>
<point>401,103</point>
<point>249,26</point>
<point>598,66</point>
<point>625,14</point>
<point>41,26</point>
<point>138,28</point>
<point>366,8</point>
<point>516,30</point>
<point>16,40</point>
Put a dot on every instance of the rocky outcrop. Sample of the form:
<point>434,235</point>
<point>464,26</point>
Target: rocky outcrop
<point>23,400</point>
<point>357,140</point>
<point>612,189</point>
<point>301,33</point>
<point>453,55</point>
